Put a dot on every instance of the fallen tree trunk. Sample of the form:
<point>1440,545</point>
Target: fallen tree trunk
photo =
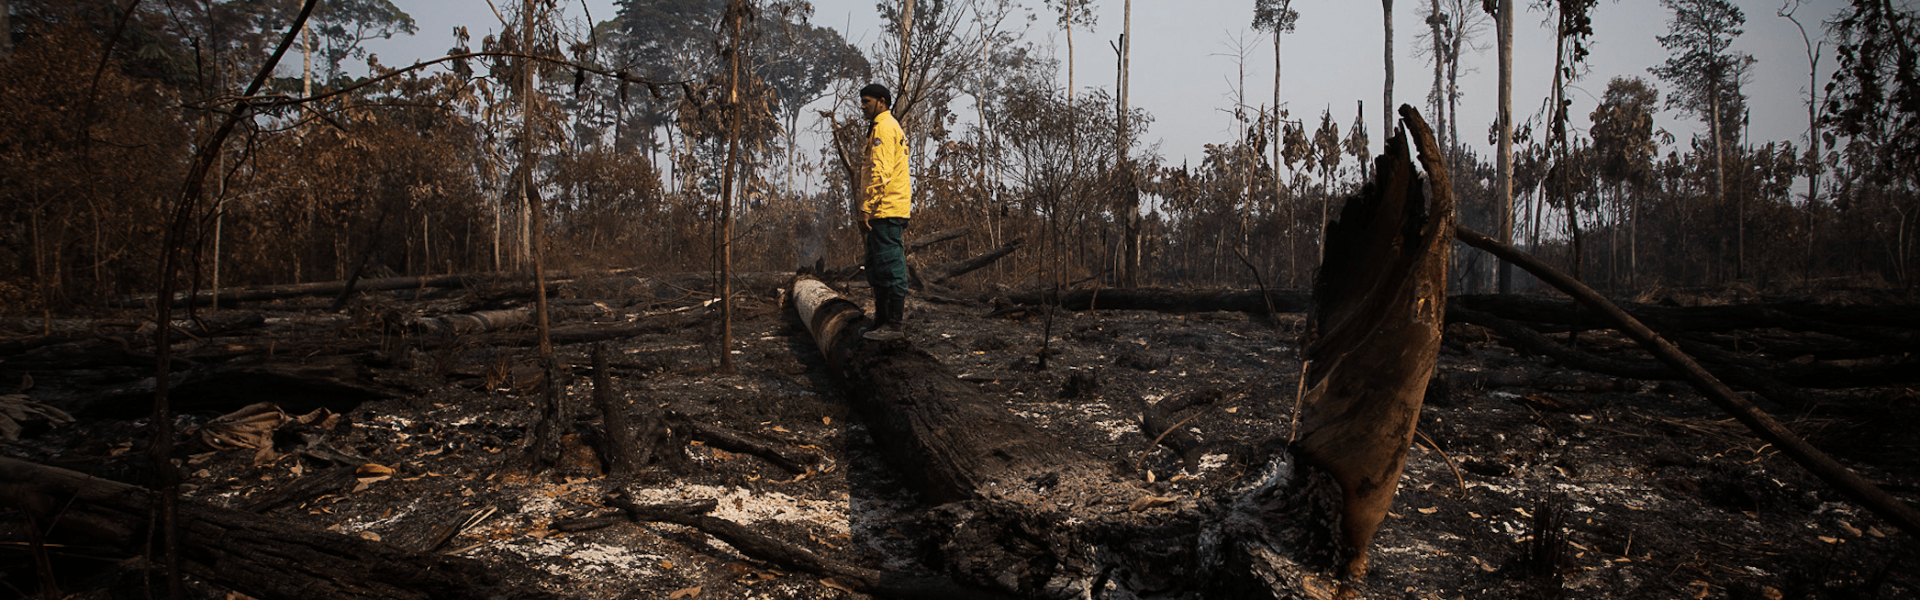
<point>295,290</point>
<point>250,554</point>
<point>1169,300</point>
<point>1026,514</point>
<point>1764,426</point>
<point>1878,324</point>
<point>940,274</point>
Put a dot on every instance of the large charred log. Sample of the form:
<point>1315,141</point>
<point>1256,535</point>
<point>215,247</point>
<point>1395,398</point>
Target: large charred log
<point>248,553</point>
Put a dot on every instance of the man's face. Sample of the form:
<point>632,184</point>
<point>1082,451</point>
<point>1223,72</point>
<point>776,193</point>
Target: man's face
<point>872,106</point>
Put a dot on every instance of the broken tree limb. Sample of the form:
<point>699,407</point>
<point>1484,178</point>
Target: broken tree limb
<point>1379,307</point>
<point>940,274</point>
<point>694,514</point>
<point>1169,300</point>
<point>251,554</point>
<point>1825,467</point>
<point>723,439</point>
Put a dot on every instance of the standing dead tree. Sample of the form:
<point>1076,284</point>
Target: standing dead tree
<point>1024,513</point>
<point>1379,305</point>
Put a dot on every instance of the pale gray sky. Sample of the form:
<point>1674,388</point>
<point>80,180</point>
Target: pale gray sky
<point>1186,69</point>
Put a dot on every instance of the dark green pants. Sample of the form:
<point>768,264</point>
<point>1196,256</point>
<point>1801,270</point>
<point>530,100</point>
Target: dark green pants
<point>886,258</point>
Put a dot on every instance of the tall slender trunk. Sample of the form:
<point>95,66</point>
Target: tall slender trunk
<point>306,62</point>
<point>900,103</point>
<point>726,186</point>
<point>1386,97</point>
<point>1504,196</point>
<point>1275,140</point>
<point>1436,23</point>
<point>1719,172</point>
<point>1130,251</point>
<point>1562,184</point>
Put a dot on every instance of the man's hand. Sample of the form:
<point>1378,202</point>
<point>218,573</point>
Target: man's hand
<point>864,226</point>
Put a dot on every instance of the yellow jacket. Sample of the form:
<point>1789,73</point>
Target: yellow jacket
<point>889,192</point>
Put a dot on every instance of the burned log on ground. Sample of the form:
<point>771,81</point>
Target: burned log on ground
<point>1896,512</point>
<point>1169,300</point>
<point>1026,514</point>
<point>1847,355</point>
<point>1867,324</point>
<point>248,553</point>
<point>321,288</point>
<point>1763,381</point>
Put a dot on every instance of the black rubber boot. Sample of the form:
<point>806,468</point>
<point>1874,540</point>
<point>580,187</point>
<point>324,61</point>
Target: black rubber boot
<point>881,305</point>
<point>897,312</point>
<point>886,318</point>
<point>888,312</point>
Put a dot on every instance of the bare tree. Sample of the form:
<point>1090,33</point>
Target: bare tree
<point>1504,120</point>
<point>1386,96</point>
<point>1813,165</point>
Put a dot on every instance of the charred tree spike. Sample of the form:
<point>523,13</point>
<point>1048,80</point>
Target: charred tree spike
<point>1867,494</point>
<point>623,460</point>
<point>1378,310</point>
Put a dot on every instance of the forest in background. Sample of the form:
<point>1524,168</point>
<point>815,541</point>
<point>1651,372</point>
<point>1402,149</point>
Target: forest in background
<point>624,127</point>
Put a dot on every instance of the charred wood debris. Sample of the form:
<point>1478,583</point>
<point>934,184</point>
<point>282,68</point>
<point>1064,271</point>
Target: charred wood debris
<point>321,445</point>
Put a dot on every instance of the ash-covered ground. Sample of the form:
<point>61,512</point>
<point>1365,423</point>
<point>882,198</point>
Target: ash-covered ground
<point>1564,485</point>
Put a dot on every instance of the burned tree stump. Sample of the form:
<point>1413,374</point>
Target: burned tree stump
<point>1379,306</point>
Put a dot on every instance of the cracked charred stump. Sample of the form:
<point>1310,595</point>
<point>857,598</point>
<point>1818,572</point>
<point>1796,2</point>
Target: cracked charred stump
<point>254,555</point>
<point>1379,306</point>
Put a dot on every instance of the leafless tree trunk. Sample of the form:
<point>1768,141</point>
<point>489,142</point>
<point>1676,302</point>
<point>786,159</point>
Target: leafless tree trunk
<point>1386,97</point>
<point>1130,250</point>
<point>1504,197</point>
<point>1813,130</point>
<point>737,14</point>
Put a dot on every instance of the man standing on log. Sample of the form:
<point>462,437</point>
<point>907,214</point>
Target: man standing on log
<point>886,204</point>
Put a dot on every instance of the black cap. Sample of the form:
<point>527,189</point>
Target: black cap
<point>877,92</point>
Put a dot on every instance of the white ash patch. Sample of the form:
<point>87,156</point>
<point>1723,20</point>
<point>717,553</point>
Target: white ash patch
<point>566,557</point>
<point>1116,428</point>
<point>744,506</point>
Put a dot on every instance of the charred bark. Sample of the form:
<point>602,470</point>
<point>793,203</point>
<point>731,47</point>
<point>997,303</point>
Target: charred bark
<point>250,554</point>
<point>623,458</point>
<point>1379,306</point>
